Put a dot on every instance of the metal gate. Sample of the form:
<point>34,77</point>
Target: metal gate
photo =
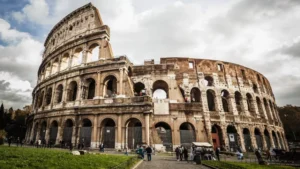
<point>85,136</point>
<point>166,138</point>
<point>247,141</point>
<point>53,134</point>
<point>233,143</point>
<point>43,133</point>
<point>134,137</point>
<point>259,142</point>
<point>34,134</point>
<point>108,136</point>
<point>268,142</point>
<point>67,136</point>
<point>187,137</point>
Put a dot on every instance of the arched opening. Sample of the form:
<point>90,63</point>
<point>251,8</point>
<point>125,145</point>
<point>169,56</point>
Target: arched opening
<point>35,131</point>
<point>247,140</point>
<point>139,89</point>
<point>59,93</point>
<point>77,57</point>
<point>267,138</point>
<point>250,105</point>
<point>195,95</point>
<point>55,66</point>
<point>93,53</point>
<point>53,132</point>
<point>41,99</point>
<point>108,133</point>
<point>187,134</point>
<point>216,134</point>
<point>86,133</point>
<point>183,94</point>
<point>208,81</point>
<point>68,131</point>
<point>275,139</point>
<point>64,62</point>
<point>160,89</point>
<point>129,72</point>
<point>48,70</point>
<point>280,140</point>
<point>260,108</point>
<point>272,109</point>
<point>238,101</point>
<point>210,94</point>
<point>43,131</point>
<point>267,108</point>
<point>164,133</point>
<point>259,141</point>
<point>255,88</point>
<point>232,137</point>
<point>225,99</point>
<point>134,133</point>
<point>91,88</point>
<point>72,92</point>
<point>48,96</point>
<point>110,86</point>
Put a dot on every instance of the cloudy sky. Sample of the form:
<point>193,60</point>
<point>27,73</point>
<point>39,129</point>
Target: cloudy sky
<point>261,34</point>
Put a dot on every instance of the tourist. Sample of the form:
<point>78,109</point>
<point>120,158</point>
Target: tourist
<point>240,155</point>
<point>71,146</point>
<point>272,154</point>
<point>141,152</point>
<point>9,141</point>
<point>268,154</point>
<point>185,154</point>
<point>177,153</point>
<point>39,142</point>
<point>126,151</point>
<point>149,152</point>
<point>181,152</point>
<point>22,142</point>
<point>18,141</point>
<point>218,153</point>
<point>101,147</point>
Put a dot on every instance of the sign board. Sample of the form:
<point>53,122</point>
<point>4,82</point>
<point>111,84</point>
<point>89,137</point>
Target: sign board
<point>231,137</point>
<point>107,131</point>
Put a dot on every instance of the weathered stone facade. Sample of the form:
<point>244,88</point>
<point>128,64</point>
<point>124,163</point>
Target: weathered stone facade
<point>85,94</point>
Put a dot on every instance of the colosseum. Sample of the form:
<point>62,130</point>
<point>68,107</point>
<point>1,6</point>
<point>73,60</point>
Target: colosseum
<point>85,94</point>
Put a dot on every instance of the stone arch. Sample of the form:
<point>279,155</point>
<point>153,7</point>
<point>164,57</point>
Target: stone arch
<point>77,57</point>
<point>255,88</point>
<point>211,99</point>
<point>195,95</point>
<point>280,140</point>
<point>134,133</point>
<point>90,88</point>
<point>260,108</point>
<point>250,104</point>
<point>35,131</point>
<point>267,138</point>
<point>93,53</point>
<point>187,134</point>
<point>68,130</point>
<point>59,93</point>
<point>48,70</point>
<point>267,108</point>
<point>129,71</point>
<point>49,96</point>
<point>275,139</point>
<point>183,94</point>
<point>160,89</point>
<point>108,134</point>
<point>258,137</point>
<point>225,99</point>
<point>247,140</point>
<point>64,63</point>
<point>110,88</point>
<point>72,91</point>
<point>217,138</point>
<point>53,132</point>
<point>238,101</point>
<point>139,89</point>
<point>209,81</point>
<point>41,99</point>
<point>232,138</point>
<point>86,132</point>
<point>163,135</point>
<point>43,131</point>
<point>55,66</point>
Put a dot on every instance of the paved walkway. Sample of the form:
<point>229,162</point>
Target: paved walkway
<point>160,162</point>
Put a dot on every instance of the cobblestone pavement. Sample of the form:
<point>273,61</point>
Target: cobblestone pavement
<point>160,162</point>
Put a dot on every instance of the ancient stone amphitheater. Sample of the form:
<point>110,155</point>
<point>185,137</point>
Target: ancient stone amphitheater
<point>85,94</point>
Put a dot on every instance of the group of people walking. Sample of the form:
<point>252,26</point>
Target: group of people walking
<point>181,153</point>
<point>17,141</point>
<point>141,150</point>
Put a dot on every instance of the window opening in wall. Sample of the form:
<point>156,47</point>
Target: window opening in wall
<point>160,89</point>
<point>93,53</point>
<point>255,89</point>
<point>191,64</point>
<point>139,89</point>
<point>91,88</point>
<point>110,86</point>
<point>225,96</point>
<point>211,100</point>
<point>243,74</point>
<point>195,95</point>
<point>208,81</point>
<point>220,67</point>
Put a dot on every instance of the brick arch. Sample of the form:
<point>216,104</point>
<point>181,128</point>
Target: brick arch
<point>103,77</point>
<point>162,121</point>
<point>84,118</point>
<point>54,119</point>
<point>126,121</point>
<point>68,118</point>
<point>90,43</point>
<point>103,118</point>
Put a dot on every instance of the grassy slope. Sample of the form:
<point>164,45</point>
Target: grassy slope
<point>31,158</point>
<point>230,165</point>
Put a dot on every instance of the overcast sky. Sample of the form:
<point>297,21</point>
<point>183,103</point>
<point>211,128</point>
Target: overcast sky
<point>260,34</point>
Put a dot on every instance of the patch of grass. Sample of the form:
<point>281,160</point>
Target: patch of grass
<point>33,158</point>
<point>241,165</point>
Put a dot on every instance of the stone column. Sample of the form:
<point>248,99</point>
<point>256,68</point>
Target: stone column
<point>53,95</point>
<point>264,141</point>
<point>208,127</point>
<point>59,134</point>
<point>70,60</point>
<point>232,104</point>
<point>98,83</point>
<point>94,142</point>
<point>241,136</point>
<point>245,107</point>
<point>74,139</point>
<point>59,63</point>
<point>84,56</point>
<point>119,131</point>
<point>253,139</point>
<point>147,127</point>
<point>65,91</point>
<point>121,82</point>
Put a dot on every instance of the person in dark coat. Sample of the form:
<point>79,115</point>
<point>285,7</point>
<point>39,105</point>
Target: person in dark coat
<point>177,153</point>
<point>149,152</point>
<point>185,154</point>
<point>181,153</point>
<point>218,153</point>
<point>9,141</point>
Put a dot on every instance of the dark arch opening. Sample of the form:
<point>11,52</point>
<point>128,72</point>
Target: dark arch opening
<point>255,88</point>
<point>258,137</point>
<point>247,140</point>
<point>48,96</point>
<point>160,89</point>
<point>275,139</point>
<point>139,89</point>
<point>233,138</point>
<point>195,95</point>
<point>68,131</point>
<point>53,132</point>
<point>86,133</point>
<point>260,108</point>
<point>43,131</point>
<point>134,133</point>
<point>59,93</point>
<point>108,133</point>
<point>110,83</point>
<point>216,133</point>
<point>72,91</point>
<point>91,88</point>
<point>225,97</point>
<point>209,80</point>
<point>210,94</point>
<point>164,133</point>
<point>238,101</point>
<point>187,134</point>
<point>267,138</point>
